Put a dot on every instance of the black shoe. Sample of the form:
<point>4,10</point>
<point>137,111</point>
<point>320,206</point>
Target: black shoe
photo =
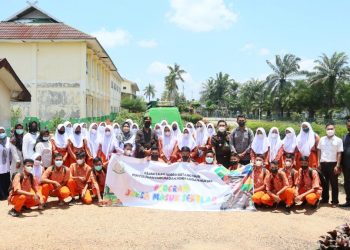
<point>314,207</point>
<point>13,213</point>
<point>287,210</point>
<point>25,209</point>
<point>347,204</point>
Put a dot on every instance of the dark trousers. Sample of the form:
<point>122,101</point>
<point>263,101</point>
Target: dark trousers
<point>4,186</point>
<point>327,169</point>
<point>346,172</point>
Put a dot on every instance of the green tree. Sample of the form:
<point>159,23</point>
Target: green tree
<point>134,105</point>
<point>149,91</point>
<point>251,96</point>
<point>330,73</point>
<point>175,74</point>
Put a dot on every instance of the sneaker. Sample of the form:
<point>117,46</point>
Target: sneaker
<point>61,203</point>
<point>347,204</point>
<point>13,213</point>
<point>41,207</point>
<point>316,205</point>
<point>334,205</point>
<point>287,210</point>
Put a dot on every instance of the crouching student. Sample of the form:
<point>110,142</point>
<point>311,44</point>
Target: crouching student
<point>308,185</point>
<point>260,173</point>
<point>127,149</point>
<point>291,173</point>
<point>97,179</point>
<point>24,193</point>
<point>54,180</point>
<point>210,157</point>
<point>79,176</point>
<point>277,188</point>
<point>234,161</point>
<point>154,154</point>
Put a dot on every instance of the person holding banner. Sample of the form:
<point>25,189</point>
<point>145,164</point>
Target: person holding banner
<point>234,161</point>
<point>154,154</point>
<point>260,173</point>
<point>97,179</point>
<point>168,146</point>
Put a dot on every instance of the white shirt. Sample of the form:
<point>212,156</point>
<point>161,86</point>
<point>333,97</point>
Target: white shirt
<point>45,150</point>
<point>29,141</point>
<point>5,167</point>
<point>329,148</point>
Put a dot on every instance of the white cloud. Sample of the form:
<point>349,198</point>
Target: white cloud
<point>147,43</point>
<point>264,52</point>
<point>201,15</point>
<point>157,68</point>
<point>248,46</point>
<point>111,39</point>
<point>307,64</point>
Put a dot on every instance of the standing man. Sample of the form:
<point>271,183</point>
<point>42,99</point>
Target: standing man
<point>241,140</point>
<point>145,139</point>
<point>330,150</point>
<point>221,144</point>
<point>346,165</point>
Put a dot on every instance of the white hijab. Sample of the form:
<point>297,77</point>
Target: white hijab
<point>275,143</point>
<point>168,142</point>
<point>84,131</point>
<point>77,140</point>
<point>163,123</point>
<point>290,142</point>
<point>186,141</point>
<point>134,130</point>
<point>213,131</point>
<point>37,170</point>
<point>177,133</point>
<point>93,142</point>
<point>107,141</point>
<point>202,135</point>
<point>305,141</point>
<point>191,127</point>
<point>69,130</point>
<point>159,134</point>
<point>61,140</point>
<point>260,145</point>
<point>116,131</point>
<point>101,131</point>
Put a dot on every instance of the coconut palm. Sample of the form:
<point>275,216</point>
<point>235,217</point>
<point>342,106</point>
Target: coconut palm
<point>149,91</point>
<point>175,74</point>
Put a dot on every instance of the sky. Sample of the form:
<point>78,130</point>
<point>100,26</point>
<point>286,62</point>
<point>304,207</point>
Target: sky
<point>203,36</point>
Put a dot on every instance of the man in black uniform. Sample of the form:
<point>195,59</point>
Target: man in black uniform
<point>145,139</point>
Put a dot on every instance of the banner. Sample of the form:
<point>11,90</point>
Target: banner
<point>179,186</point>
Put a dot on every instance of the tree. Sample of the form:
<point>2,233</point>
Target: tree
<point>134,105</point>
<point>282,78</point>
<point>330,73</point>
<point>175,74</point>
<point>149,91</point>
<point>251,96</point>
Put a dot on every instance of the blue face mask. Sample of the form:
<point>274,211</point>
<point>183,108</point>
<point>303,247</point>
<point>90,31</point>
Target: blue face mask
<point>19,131</point>
<point>209,160</point>
<point>2,135</point>
<point>98,168</point>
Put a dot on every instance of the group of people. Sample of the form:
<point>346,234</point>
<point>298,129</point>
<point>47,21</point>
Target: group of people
<point>73,162</point>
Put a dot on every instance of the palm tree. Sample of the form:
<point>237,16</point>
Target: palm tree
<point>149,91</point>
<point>251,96</point>
<point>282,78</point>
<point>330,73</point>
<point>175,74</point>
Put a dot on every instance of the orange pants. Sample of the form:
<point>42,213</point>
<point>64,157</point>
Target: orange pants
<point>287,197</point>
<point>21,200</point>
<point>75,190</point>
<point>312,198</point>
<point>256,198</point>
<point>49,190</point>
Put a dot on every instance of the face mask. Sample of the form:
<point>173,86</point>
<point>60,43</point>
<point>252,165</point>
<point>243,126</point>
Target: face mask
<point>210,130</point>
<point>2,135</point>
<point>330,132</point>
<point>174,128</point>
<point>222,129</point>
<point>37,163</point>
<point>33,130</point>
<point>58,163</point>
<point>98,168</point>
<point>209,160</point>
<point>29,169</point>
<point>108,133</point>
<point>274,135</point>
<point>46,138</point>
<point>167,133</point>
<point>93,131</point>
<point>288,164</point>
<point>147,124</point>
<point>186,135</point>
<point>19,131</point>
<point>78,132</point>
<point>154,157</point>
<point>241,124</point>
<point>304,167</point>
<point>185,158</point>
<point>258,163</point>
<point>274,170</point>
<point>289,135</point>
<point>134,130</point>
<point>80,161</point>
<point>61,132</point>
<point>199,129</point>
<point>116,131</point>
<point>260,136</point>
<point>69,129</point>
<point>233,163</point>
<point>306,130</point>
<point>158,131</point>
<point>128,152</point>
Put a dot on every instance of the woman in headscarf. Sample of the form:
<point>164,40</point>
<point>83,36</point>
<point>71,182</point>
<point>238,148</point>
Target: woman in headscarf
<point>84,130</point>
<point>176,130</point>
<point>44,148</point>
<point>211,129</point>
<point>116,129</point>
<point>106,143</point>
<point>125,137</point>
<point>134,128</point>
<point>260,146</point>
<point>163,123</point>
<point>93,142</point>
<point>76,144</point>
<point>38,168</point>
<point>69,128</point>
<point>16,149</point>
<point>60,144</point>
<point>190,126</point>
<point>29,140</point>
<point>5,157</point>
<point>101,131</point>
<point>130,122</point>
<point>290,143</point>
<point>168,148</point>
<point>158,130</point>
<point>275,146</point>
<point>186,140</point>
<point>307,142</point>
<point>203,142</point>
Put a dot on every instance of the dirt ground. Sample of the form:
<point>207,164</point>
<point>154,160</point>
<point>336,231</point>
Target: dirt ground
<point>92,227</point>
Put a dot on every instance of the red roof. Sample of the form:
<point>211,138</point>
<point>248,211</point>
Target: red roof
<point>9,30</point>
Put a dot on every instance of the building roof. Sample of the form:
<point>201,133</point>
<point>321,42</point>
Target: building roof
<point>8,77</point>
<point>45,31</point>
<point>32,14</point>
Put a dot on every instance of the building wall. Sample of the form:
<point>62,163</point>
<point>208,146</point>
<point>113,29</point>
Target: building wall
<point>5,114</point>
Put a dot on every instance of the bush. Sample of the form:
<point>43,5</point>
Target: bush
<point>134,105</point>
<point>124,115</point>
<point>194,118</point>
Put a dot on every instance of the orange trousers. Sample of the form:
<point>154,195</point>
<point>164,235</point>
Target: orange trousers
<point>287,197</point>
<point>49,190</point>
<point>21,200</point>
<point>312,198</point>
<point>256,198</point>
<point>75,190</point>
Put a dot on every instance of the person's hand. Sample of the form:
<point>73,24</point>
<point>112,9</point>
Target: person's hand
<point>276,198</point>
<point>337,170</point>
<point>147,152</point>
<point>82,179</point>
<point>18,165</point>
<point>241,155</point>
<point>57,184</point>
<point>36,197</point>
<point>298,198</point>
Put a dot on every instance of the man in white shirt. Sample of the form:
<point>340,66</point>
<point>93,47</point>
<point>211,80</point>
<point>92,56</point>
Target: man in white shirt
<point>330,150</point>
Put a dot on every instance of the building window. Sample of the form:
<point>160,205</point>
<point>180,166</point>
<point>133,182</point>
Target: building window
<point>124,87</point>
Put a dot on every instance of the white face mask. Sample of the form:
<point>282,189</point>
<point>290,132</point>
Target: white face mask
<point>186,135</point>
<point>128,152</point>
<point>58,163</point>
<point>28,169</point>
<point>210,130</point>
<point>209,160</point>
<point>274,135</point>
<point>80,161</point>
<point>46,138</point>
<point>37,163</point>
<point>69,129</point>
<point>167,133</point>
<point>260,136</point>
<point>108,133</point>
<point>258,163</point>
<point>288,164</point>
<point>158,131</point>
<point>289,135</point>
<point>222,129</point>
<point>93,131</point>
<point>2,135</point>
<point>116,130</point>
<point>330,132</point>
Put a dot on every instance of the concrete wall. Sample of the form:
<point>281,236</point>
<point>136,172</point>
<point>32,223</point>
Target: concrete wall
<point>5,114</point>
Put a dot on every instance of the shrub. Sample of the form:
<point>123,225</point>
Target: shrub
<point>124,115</point>
<point>134,105</point>
<point>194,118</point>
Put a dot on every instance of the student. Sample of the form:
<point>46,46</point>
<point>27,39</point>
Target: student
<point>234,161</point>
<point>107,144</point>
<point>77,143</point>
<point>209,158</point>
<point>38,168</point>
<point>29,140</point>
<point>84,130</point>
<point>221,144</point>
<point>185,154</point>
<point>211,130</point>
<point>203,142</point>
<point>54,180</point>
<point>289,143</point>
<point>16,149</point>
<point>24,190</point>
<point>93,141</point>
<point>98,179</point>
<point>60,143</point>
<point>277,188</point>
<point>134,129</point>
<point>44,148</point>
<point>68,128</point>
<point>158,130</point>
<point>275,146</point>
<point>5,158</point>
<point>308,185</point>
<point>288,169</point>
<point>260,146</point>
<point>154,154</point>
<point>186,140</point>
<point>79,175</point>
<point>176,130</point>
<point>168,146</point>
<point>127,150</point>
<point>260,173</point>
<point>192,129</point>
<point>330,149</point>
<point>307,142</point>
